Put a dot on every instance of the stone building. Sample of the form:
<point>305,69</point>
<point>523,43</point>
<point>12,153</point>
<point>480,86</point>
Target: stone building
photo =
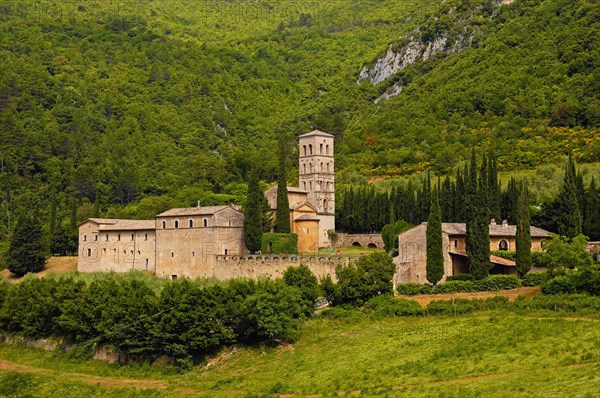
<point>312,204</point>
<point>412,250</point>
<point>179,242</point>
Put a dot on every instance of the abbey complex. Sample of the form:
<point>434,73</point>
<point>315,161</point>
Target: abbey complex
<point>209,241</point>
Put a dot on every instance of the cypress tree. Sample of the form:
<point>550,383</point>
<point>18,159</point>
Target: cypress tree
<point>282,215</point>
<point>435,252</point>
<point>592,219</point>
<point>494,189</point>
<point>253,224</point>
<point>523,239</point>
<point>27,251</point>
<point>569,217</point>
<point>478,233</point>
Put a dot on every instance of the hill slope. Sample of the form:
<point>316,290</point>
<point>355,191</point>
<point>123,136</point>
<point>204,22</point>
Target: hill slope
<point>169,102</point>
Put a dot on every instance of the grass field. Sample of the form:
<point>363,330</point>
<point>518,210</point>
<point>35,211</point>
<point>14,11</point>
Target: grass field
<point>489,354</point>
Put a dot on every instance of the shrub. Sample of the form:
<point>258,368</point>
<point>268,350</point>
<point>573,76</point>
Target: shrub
<point>303,278</point>
<point>584,280</point>
<point>459,277</point>
<point>279,243</point>
<point>497,282</point>
<point>454,287</point>
<point>534,279</point>
<point>411,289</point>
<point>385,306</point>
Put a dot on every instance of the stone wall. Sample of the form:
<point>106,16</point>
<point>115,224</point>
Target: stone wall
<point>273,266</point>
<point>364,240</point>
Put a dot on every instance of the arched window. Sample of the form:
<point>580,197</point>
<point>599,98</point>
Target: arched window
<point>310,148</point>
<point>132,236</point>
<point>191,223</point>
<point>503,245</point>
<point>304,185</point>
<point>304,147</point>
<point>164,224</point>
<point>325,204</point>
<point>176,223</point>
<point>205,222</point>
<point>310,185</point>
<point>303,168</point>
<point>320,149</point>
<point>327,149</point>
<point>322,168</point>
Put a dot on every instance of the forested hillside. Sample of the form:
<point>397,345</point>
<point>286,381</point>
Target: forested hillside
<point>128,108</point>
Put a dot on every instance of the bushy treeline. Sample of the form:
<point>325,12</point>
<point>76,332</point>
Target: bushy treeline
<point>490,283</point>
<point>387,306</point>
<point>184,320</point>
<point>365,209</point>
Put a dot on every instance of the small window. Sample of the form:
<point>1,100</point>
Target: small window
<point>230,223</point>
<point>132,236</point>
<point>146,263</point>
<point>174,277</point>
<point>327,149</point>
<point>139,252</point>
<point>119,237</point>
<point>105,250</point>
<point>84,238</point>
<point>304,147</point>
<point>172,254</point>
<point>321,149</point>
<point>95,237</point>
<point>89,251</point>
<point>310,148</point>
<point>205,221</point>
<point>455,243</point>
<point>503,245</point>
<point>107,237</point>
<point>191,223</point>
<point>193,254</point>
<point>145,236</point>
<point>176,224</point>
<point>164,224</point>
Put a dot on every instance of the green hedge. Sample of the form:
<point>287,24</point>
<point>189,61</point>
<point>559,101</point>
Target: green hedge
<point>491,283</point>
<point>585,280</point>
<point>280,243</point>
<point>534,279</point>
<point>460,277</point>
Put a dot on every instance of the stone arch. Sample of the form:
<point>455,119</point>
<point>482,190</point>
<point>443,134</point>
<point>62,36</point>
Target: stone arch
<point>356,244</point>
<point>503,245</point>
<point>372,245</point>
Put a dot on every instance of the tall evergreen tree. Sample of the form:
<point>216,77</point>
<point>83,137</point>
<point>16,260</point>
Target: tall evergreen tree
<point>592,220</point>
<point>27,250</point>
<point>523,238</point>
<point>435,252</point>
<point>282,215</point>
<point>253,224</point>
<point>478,233</point>
<point>569,217</point>
<point>494,191</point>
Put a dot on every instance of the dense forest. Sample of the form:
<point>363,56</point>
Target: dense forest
<point>126,108</point>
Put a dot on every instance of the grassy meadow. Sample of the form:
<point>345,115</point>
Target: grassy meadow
<point>492,354</point>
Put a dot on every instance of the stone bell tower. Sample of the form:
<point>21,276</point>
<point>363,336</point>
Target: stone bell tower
<point>316,177</point>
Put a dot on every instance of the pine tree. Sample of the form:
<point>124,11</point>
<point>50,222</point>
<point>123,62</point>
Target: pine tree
<point>569,217</point>
<point>523,238</point>
<point>27,251</point>
<point>282,215</point>
<point>435,252</point>
<point>253,225</point>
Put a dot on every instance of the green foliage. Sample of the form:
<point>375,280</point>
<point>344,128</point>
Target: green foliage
<point>282,213</point>
<point>389,234</point>
<point>569,215</point>
<point>253,225</point>
<point>583,280</point>
<point>386,306</point>
<point>303,278</point>
<point>277,243</point>
<point>435,250</point>
<point>27,250</point>
<point>534,279</point>
<point>358,282</point>
<point>523,238</point>
<point>460,285</point>
<point>562,253</point>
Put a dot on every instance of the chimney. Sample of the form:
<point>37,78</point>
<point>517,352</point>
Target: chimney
<point>504,223</point>
<point>493,222</point>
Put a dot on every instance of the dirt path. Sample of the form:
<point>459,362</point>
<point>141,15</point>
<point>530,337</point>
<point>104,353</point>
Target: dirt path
<point>511,294</point>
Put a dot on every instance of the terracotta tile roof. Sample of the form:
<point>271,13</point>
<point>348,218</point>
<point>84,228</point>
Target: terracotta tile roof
<point>316,132</point>
<point>289,189</point>
<point>195,211</point>
<point>297,205</point>
<point>493,259</point>
<point>495,230</point>
<point>307,217</point>
<point>127,225</point>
